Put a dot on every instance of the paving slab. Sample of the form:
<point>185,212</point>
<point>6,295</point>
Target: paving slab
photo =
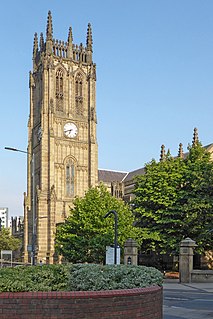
<point>188,301</point>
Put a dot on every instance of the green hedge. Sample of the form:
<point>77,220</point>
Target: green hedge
<point>98,277</point>
<point>81,277</point>
<point>34,278</point>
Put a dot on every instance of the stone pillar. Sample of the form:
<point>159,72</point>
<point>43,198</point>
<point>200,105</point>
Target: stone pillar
<point>130,252</point>
<point>187,246</point>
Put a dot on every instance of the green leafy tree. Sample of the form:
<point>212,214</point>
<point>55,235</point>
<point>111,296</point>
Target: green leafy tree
<point>86,233</point>
<point>8,242</point>
<point>174,199</point>
<point>196,200</point>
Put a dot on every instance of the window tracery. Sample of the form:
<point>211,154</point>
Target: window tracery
<point>70,178</point>
<point>79,94</point>
<point>59,89</point>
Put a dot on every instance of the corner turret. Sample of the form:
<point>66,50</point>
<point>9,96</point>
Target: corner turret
<point>162,153</point>
<point>89,44</point>
<point>60,49</point>
<point>195,137</point>
<point>35,50</point>
<point>69,47</point>
<point>49,34</point>
<point>180,150</point>
<point>42,46</point>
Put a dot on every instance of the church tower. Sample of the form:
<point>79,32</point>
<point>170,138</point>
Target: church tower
<point>62,143</point>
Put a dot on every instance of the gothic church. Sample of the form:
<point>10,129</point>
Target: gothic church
<point>62,143</point>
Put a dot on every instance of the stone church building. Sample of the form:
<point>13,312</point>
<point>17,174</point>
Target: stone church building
<point>62,141</point>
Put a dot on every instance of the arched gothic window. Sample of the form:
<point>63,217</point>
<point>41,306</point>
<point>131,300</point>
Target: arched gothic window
<point>70,178</point>
<point>78,85</point>
<point>59,89</point>
<point>79,94</point>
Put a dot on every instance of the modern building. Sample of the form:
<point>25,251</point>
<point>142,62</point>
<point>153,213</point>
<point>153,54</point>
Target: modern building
<point>17,226</point>
<point>4,217</point>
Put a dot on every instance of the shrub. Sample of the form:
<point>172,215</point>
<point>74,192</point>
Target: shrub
<point>34,278</point>
<point>81,277</point>
<point>98,277</point>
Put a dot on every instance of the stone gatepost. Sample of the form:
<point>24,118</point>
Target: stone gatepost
<point>187,246</point>
<point>130,252</point>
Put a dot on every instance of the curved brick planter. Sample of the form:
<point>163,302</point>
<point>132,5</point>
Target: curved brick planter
<point>143,303</point>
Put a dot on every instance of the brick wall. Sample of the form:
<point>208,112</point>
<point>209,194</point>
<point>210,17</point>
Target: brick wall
<point>143,303</point>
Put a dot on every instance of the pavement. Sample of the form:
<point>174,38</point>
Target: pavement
<point>187,301</point>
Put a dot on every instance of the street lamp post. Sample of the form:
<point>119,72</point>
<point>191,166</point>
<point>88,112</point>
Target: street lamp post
<point>33,197</point>
<point>116,232</point>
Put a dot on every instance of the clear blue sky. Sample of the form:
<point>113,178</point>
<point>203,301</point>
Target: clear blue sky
<point>154,78</point>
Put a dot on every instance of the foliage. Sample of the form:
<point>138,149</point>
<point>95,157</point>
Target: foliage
<point>174,199</point>
<point>8,242</point>
<point>77,277</point>
<point>86,233</point>
<point>34,278</point>
<point>108,277</point>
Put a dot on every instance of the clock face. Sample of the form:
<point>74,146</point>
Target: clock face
<point>70,130</point>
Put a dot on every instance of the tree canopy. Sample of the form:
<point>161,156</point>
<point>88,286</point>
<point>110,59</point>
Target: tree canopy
<point>174,200</point>
<point>8,242</point>
<point>86,233</point>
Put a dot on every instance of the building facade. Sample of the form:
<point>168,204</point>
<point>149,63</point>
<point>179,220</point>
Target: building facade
<point>4,217</point>
<point>62,143</point>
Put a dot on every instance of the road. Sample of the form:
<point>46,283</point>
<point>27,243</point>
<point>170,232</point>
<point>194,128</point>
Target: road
<point>188,301</point>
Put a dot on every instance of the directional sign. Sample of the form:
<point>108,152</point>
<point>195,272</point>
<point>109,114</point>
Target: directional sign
<point>110,255</point>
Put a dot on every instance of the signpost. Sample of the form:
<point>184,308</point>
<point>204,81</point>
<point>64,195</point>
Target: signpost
<point>6,252</point>
<point>110,255</point>
<point>115,231</point>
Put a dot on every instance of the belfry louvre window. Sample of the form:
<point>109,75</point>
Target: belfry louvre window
<point>78,85</point>
<point>79,94</point>
<point>59,90</point>
<point>70,179</point>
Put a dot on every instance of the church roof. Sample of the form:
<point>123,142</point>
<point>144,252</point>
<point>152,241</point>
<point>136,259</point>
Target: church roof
<point>108,176</point>
<point>208,146</point>
<point>141,171</point>
<point>130,176</point>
